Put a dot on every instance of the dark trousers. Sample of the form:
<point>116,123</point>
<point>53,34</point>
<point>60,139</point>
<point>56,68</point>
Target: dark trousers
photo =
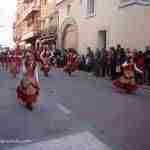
<point>103,69</point>
<point>148,75</point>
<point>108,70</point>
<point>113,72</point>
<point>97,69</point>
<point>139,78</point>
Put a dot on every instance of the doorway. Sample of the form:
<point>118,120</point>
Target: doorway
<point>70,37</point>
<point>102,39</point>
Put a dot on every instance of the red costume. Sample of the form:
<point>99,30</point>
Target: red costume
<point>45,62</point>
<point>127,80</point>
<point>12,64</point>
<point>18,59</point>
<point>72,62</point>
<point>28,90</point>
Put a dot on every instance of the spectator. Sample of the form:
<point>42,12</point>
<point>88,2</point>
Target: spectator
<point>113,63</point>
<point>108,66</point>
<point>97,62</point>
<point>103,62</point>
<point>139,60</point>
<point>118,64</point>
<point>147,63</point>
<point>123,56</point>
<point>82,62</point>
<point>89,59</point>
<point>118,49</point>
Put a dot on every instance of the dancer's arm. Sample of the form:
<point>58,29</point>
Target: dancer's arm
<point>41,55</point>
<point>137,69</point>
<point>124,64</point>
<point>23,67</point>
<point>36,74</point>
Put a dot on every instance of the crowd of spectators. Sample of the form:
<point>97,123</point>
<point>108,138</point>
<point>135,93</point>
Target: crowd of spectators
<point>107,62</point>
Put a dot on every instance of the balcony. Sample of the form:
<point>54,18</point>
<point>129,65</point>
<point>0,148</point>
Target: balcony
<point>59,1</point>
<point>28,9</point>
<point>50,24</point>
<point>30,32</point>
<point>26,1</point>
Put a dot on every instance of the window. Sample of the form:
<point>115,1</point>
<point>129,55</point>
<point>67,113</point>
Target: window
<point>90,8</point>
<point>45,2</point>
<point>30,21</point>
<point>68,9</point>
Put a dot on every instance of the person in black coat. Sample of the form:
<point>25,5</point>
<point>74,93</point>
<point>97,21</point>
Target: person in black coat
<point>147,63</point>
<point>103,62</point>
<point>97,62</point>
<point>113,63</point>
<point>89,60</point>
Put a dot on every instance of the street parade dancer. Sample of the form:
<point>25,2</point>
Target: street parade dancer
<point>5,61</point>
<point>12,64</point>
<point>127,80</point>
<point>14,60</point>
<point>72,62</point>
<point>2,61</point>
<point>18,59</point>
<point>45,59</point>
<point>28,88</point>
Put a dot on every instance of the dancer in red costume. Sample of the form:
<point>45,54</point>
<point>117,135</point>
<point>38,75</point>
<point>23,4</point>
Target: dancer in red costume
<point>28,89</point>
<point>127,80</point>
<point>45,56</point>
<point>18,59</point>
<point>72,62</point>
<point>12,64</point>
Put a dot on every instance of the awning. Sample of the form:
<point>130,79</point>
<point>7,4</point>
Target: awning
<point>48,37</point>
<point>28,35</point>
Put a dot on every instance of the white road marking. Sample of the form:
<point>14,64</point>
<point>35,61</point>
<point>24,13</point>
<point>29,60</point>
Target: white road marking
<point>80,141</point>
<point>63,108</point>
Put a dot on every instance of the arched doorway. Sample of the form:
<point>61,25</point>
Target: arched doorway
<point>69,38</point>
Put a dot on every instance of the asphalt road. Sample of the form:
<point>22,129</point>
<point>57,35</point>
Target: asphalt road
<point>70,105</point>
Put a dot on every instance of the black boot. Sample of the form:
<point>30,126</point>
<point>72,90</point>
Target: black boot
<point>29,107</point>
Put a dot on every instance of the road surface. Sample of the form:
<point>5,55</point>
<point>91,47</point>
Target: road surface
<point>77,104</point>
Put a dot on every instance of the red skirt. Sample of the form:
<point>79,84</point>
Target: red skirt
<point>46,68</point>
<point>70,68</point>
<point>127,87</point>
<point>28,99</point>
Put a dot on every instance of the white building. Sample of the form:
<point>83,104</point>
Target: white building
<point>103,23</point>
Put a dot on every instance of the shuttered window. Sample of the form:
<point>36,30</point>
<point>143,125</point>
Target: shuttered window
<point>90,7</point>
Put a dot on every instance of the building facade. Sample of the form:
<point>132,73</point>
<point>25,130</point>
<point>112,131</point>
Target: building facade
<point>35,22</point>
<point>103,23</point>
<point>48,22</point>
<point>27,24</point>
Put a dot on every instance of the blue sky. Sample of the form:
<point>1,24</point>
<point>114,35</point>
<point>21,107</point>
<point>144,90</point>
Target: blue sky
<point>7,14</point>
